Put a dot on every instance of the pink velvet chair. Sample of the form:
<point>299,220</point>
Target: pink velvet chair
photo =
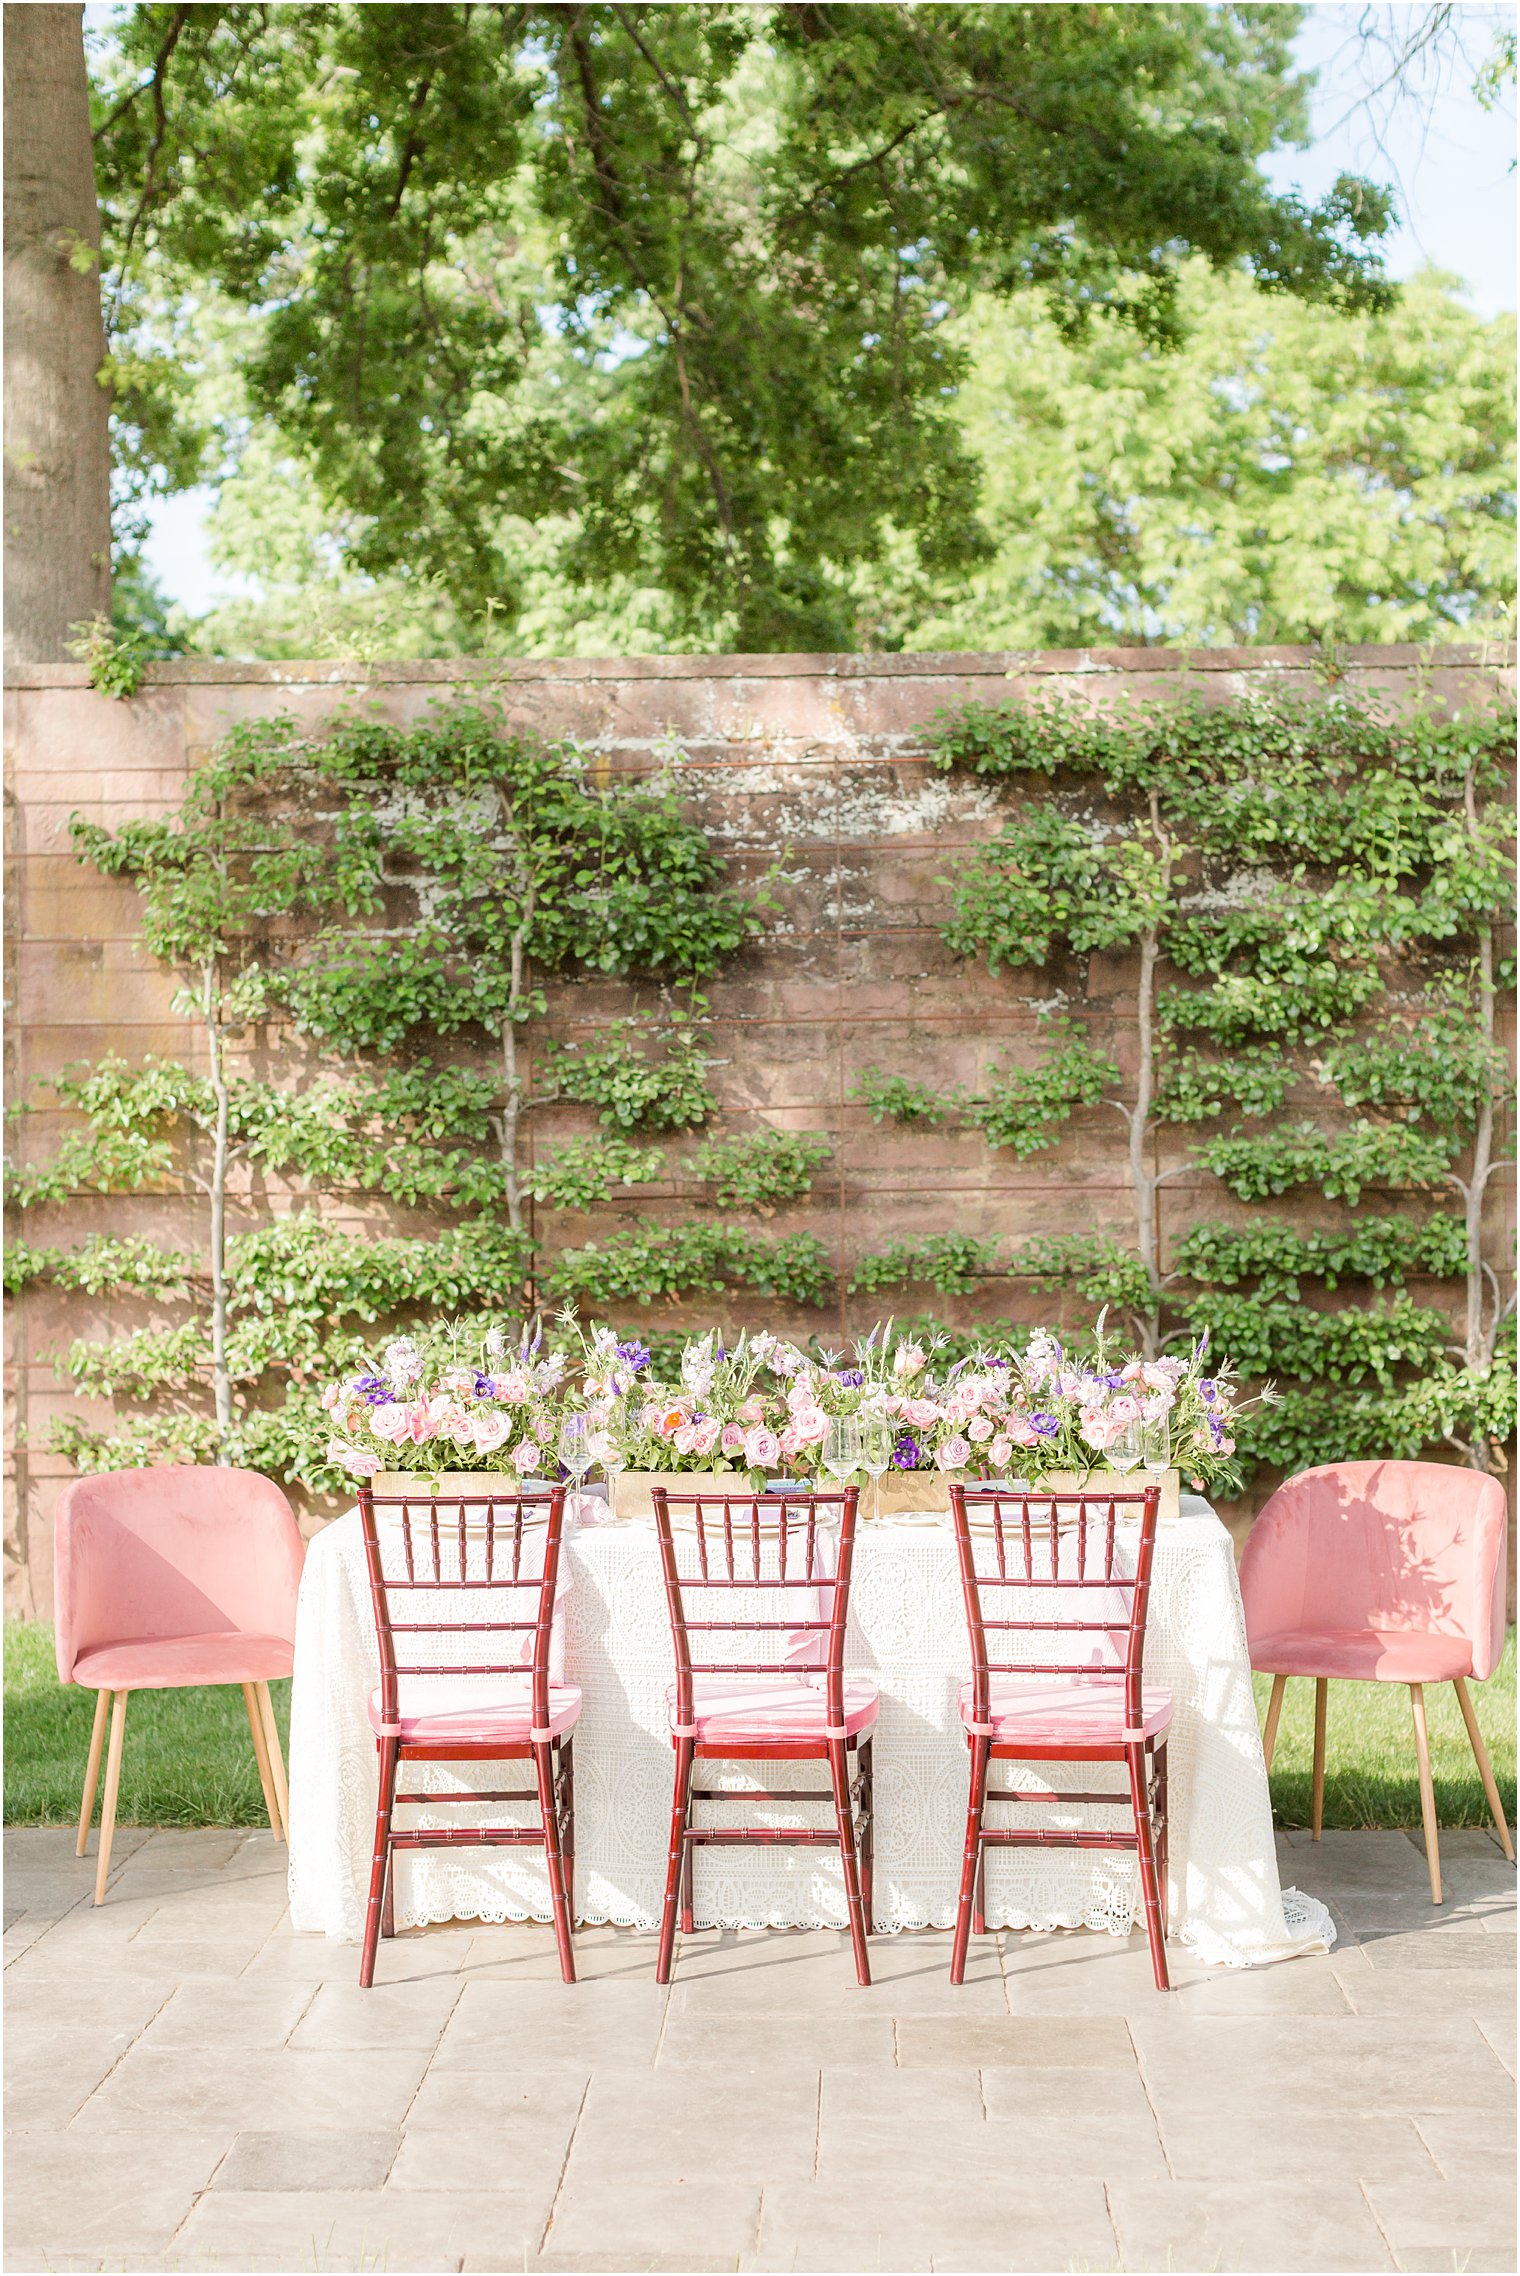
<point>170,1577</point>
<point>1381,1572</point>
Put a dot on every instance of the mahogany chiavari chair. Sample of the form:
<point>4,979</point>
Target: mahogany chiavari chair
<point>428,1552</point>
<point>1079,1696</point>
<point>759,1553</point>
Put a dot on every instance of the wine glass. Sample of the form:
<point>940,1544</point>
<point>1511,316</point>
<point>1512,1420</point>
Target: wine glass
<point>875,1445</point>
<point>575,1446</point>
<point>1156,1446</point>
<point>1124,1449</point>
<point>842,1446</point>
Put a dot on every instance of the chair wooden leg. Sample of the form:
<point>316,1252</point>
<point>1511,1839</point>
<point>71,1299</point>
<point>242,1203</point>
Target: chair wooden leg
<point>1162,1812</point>
<point>839,1771</point>
<point>1427,1792</point>
<point>680,1810</point>
<point>1321,1701</point>
<point>976,1803</point>
<point>548,1810</point>
<point>1150,1887</point>
<point>868,1834</point>
<point>92,1770</point>
<point>261,1757</point>
<point>113,1784</point>
<point>688,1878</point>
<point>385,1803</point>
<point>567,1820</point>
<point>276,1757</point>
<point>1274,1715</point>
<point>1485,1767</point>
<point>979,1894</point>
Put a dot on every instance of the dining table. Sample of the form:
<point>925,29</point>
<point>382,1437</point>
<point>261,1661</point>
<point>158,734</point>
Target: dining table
<point>907,1633</point>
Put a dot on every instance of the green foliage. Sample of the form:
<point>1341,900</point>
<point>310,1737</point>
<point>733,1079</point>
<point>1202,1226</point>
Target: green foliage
<point>1277,1256</point>
<point>1196,1089</point>
<point>1446,1405</point>
<point>894,1098</point>
<point>761,1170</point>
<point>1025,1107</point>
<point>1050,875</point>
<point>629,1089</point>
<point>583,1171</point>
<point>673,282</point>
<point>116,660</point>
<point>663,1263</point>
<point>1340,1164</point>
<point>1433,1065</point>
<point>99,1266</point>
<point>954,1263</point>
<point>1094,1266</point>
<point>1280,1337</point>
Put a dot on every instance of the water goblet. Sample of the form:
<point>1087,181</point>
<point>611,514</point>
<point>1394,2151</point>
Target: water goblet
<point>842,1446</point>
<point>875,1445</point>
<point>1156,1446</point>
<point>1124,1449</point>
<point>575,1446</point>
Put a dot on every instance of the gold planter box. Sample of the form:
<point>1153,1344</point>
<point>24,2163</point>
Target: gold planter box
<point>422,1482</point>
<point>893,1495</point>
<point>633,1495</point>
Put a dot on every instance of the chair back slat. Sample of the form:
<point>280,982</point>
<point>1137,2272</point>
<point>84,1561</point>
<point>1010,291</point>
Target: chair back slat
<point>1080,1531</point>
<point>756,1547</point>
<point>420,1545</point>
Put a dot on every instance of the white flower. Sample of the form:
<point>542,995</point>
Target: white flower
<point>402,1363</point>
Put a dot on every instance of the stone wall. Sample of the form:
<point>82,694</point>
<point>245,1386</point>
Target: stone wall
<point>811,767</point>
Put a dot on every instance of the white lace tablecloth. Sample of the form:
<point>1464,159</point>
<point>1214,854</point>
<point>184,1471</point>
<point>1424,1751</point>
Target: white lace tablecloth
<point>907,1631</point>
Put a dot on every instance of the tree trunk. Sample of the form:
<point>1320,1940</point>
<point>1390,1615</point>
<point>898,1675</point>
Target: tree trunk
<point>1142,1182</point>
<point>57,444</point>
<point>221,1377</point>
<point>1479,1344</point>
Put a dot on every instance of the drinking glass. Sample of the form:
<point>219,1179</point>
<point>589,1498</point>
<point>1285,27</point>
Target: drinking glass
<point>875,1446</point>
<point>575,1446</point>
<point>1156,1446</point>
<point>842,1447</point>
<point>1124,1451</point>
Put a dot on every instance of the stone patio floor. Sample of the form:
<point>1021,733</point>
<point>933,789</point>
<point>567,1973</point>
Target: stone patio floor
<point>190,2085</point>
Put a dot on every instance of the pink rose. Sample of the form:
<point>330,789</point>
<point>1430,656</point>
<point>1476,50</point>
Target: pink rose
<point>685,1438</point>
<point>1022,1431</point>
<point>353,1459</point>
<point>491,1431</point>
<point>391,1423</point>
<point>733,1438</point>
<point>962,1403</point>
<point>1098,1429</point>
<point>513,1386</point>
<point>761,1447</point>
<point>954,1454</point>
<point>707,1436</point>
<point>1000,1453</point>
<point>979,1431</point>
<point>420,1426</point>
<point>753,1409</point>
<point>525,1457</point>
<point>542,1427</point>
<point>331,1396</point>
<point>922,1413</point>
<point>790,1441</point>
<point>811,1424</point>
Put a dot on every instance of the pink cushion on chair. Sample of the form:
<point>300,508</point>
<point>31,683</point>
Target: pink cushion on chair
<point>737,1710</point>
<point>1371,1655</point>
<point>1052,1710</point>
<point>163,1663</point>
<point>461,1711</point>
<point>1391,1565</point>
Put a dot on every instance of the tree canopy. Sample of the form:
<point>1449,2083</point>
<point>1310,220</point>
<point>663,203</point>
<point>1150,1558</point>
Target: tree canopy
<point>677,285</point>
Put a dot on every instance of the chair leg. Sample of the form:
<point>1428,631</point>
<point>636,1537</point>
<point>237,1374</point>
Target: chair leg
<point>276,1758</point>
<point>1321,1701</point>
<point>979,1894</point>
<point>1427,1792</point>
<point>388,1898</point>
<point>92,1770</point>
<point>1274,1715</point>
<point>868,1834</point>
<point>1149,1880</point>
<point>113,1784</point>
<point>1162,1808</point>
<point>261,1757</point>
<point>976,1804</point>
<point>548,1810</point>
<point>839,1771</point>
<point>680,1811</point>
<point>385,1803</point>
<point>567,1820</point>
<point>1485,1767</point>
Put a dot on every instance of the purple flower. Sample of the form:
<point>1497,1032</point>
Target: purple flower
<point>377,1392</point>
<point>1046,1425</point>
<point>907,1453</point>
<point>485,1387</point>
<point>635,1355</point>
<point>853,1377</point>
<point>1208,1390</point>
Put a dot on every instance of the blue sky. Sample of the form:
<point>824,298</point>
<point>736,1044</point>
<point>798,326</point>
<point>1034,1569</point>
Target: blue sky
<point>1447,159</point>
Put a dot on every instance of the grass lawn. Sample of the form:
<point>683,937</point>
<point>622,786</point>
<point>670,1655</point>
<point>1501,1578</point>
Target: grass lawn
<point>189,1760</point>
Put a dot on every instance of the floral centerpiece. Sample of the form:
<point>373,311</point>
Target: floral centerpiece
<point>467,1397</point>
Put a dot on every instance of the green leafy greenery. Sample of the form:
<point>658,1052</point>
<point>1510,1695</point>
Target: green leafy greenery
<point>1026,1107</point>
<point>631,1089</point>
<point>893,1098</point>
<point>663,1263</point>
<point>953,1263</point>
<point>761,1170</point>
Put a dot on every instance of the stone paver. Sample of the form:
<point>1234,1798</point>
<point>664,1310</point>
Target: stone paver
<point>192,2086</point>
